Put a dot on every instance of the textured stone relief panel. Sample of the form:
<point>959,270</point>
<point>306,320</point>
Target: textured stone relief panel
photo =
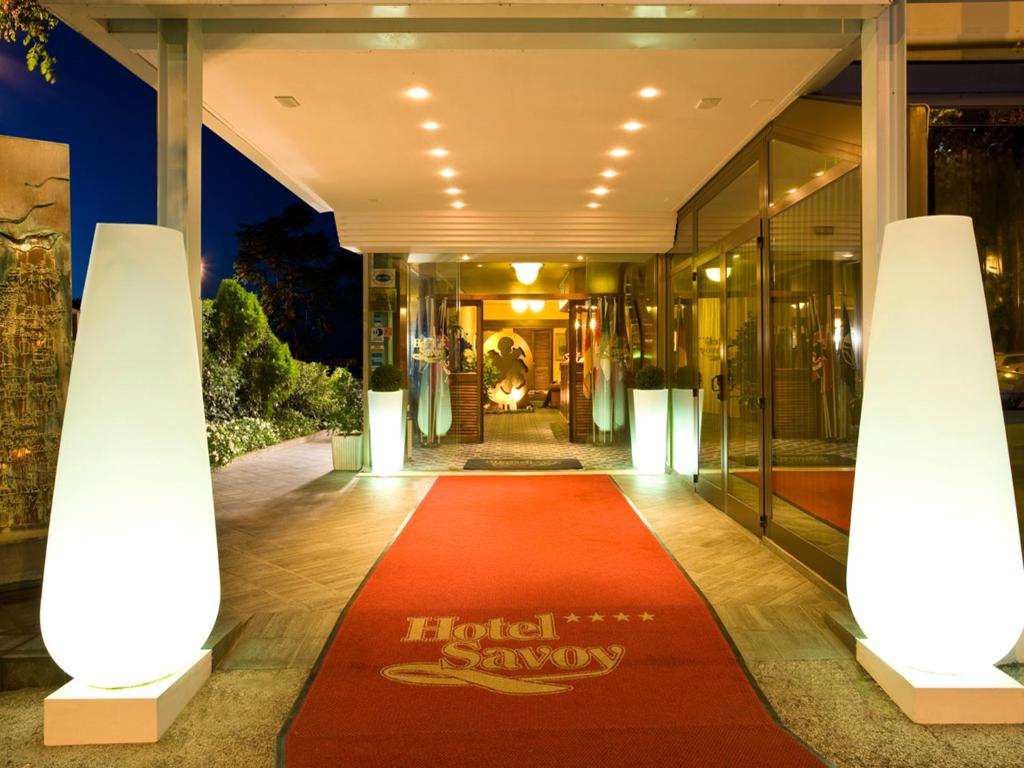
<point>35,324</point>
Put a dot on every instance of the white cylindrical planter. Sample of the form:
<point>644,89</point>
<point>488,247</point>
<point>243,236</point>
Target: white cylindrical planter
<point>934,575</point>
<point>648,416</point>
<point>131,586</point>
<point>387,431</point>
<point>347,452</point>
<point>686,413</point>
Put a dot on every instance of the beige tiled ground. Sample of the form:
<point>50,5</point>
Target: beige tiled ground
<point>296,539</point>
<point>539,434</point>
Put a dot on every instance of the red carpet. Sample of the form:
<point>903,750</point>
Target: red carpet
<point>827,494</point>
<point>535,622</point>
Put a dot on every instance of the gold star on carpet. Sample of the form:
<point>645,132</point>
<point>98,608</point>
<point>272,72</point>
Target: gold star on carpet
<point>645,616</point>
<point>572,618</point>
<point>620,616</point>
<point>596,617</point>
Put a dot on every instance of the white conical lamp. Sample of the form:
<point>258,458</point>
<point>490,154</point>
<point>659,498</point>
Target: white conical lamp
<point>934,576</point>
<point>131,585</point>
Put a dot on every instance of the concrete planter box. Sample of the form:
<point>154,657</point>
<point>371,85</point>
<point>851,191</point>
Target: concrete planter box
<point>347,452</point>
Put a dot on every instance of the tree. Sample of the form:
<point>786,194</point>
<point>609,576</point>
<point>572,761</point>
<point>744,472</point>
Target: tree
<point>29,21</point>
<point>307,285</point>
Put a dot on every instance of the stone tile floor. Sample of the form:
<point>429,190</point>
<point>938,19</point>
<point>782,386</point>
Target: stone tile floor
<point>296,539</point>
<point>538,434</point>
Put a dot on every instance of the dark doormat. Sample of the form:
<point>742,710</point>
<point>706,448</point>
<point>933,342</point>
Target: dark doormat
<point>526,465</point>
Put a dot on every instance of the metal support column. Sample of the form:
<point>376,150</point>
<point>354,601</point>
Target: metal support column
<point>179,136</point>
<point>884,138</point>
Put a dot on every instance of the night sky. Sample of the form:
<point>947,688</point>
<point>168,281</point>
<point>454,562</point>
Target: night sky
<point>108,117</point>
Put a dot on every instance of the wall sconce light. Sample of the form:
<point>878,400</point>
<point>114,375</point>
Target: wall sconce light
<point>526,271</point>
<point>934,574</point>
<point>715,273</point>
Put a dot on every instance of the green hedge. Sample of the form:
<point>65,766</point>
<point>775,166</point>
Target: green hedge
<point>255,394</point>
<point>228,439</point>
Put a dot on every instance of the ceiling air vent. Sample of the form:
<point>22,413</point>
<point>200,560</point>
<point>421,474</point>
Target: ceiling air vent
<point>287,101</point>
<point>708,103</point>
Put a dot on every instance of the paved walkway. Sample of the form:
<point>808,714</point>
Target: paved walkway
<point>296,539</point>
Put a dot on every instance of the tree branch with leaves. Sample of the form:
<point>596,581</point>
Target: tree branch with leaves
<point>28,22</point>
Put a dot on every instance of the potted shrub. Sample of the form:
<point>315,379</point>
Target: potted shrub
<point>687,406</point>
<point>345,421</point>
<point>648,420</point>
<point>387,420</point>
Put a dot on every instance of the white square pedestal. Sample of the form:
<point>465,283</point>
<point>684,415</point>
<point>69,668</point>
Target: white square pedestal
<point>986,696</point>
<point>80,714</point>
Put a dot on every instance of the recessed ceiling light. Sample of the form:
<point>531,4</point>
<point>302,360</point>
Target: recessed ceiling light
<point>287,101</point>
<point>708,103</point>
<point>479,266</point>
<point>593,205</point>
<point>649,92</point>
<point>453,191</point>
<point>458,204</point>
<point>580,257</point>
<point>430,125</point>
<point>447,172</point>
<point>820,173</point>
<point>465,257</point>
<point>609,174</point>
<point>791,191</point>
<point>600,190</point>
<point>619,152</point>
<point>633,125</point>
<point>438,152</point>
<point>418,93</point>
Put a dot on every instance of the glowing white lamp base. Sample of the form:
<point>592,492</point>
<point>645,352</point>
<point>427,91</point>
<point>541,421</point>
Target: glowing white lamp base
<point>686,413</point>
<point>648,418</point>
<point>387,431</point>
<point>81,714</point>
<point>986,696</point>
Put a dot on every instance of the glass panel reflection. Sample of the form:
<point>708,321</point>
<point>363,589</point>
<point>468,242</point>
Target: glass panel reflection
<point>743,373</point>
<point>815,289</point>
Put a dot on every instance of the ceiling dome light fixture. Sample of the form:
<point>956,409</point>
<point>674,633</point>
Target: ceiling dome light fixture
<point>418,93</point>
<point>458,204</point>
<point>438,152</point>
<point>447,172</point>
<point>519,305</point>
<point>609,174</point>
<point>649,92</point>
<point>430,125</point>
<point>633,125</point>
<point>600,190</point>
<point>593,205</point>
<point>536,305</point>
<point>453,191</point>
<point>619,152</point>
<point>526,271</point>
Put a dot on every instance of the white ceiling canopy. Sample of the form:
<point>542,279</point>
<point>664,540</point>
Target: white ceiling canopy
<point>529,133</point>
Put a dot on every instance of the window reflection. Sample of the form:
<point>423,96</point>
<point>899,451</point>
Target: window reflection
<point>815,289</point>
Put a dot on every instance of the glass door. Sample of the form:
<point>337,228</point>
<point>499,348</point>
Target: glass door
<point>710,375</point>
<point>730,373</point>
<point>743,399</point>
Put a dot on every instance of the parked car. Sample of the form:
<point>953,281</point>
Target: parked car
<point>1011,360</point>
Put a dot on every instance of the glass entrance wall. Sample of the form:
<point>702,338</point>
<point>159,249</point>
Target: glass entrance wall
<point>771,247</point>
<point>817,375</point>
